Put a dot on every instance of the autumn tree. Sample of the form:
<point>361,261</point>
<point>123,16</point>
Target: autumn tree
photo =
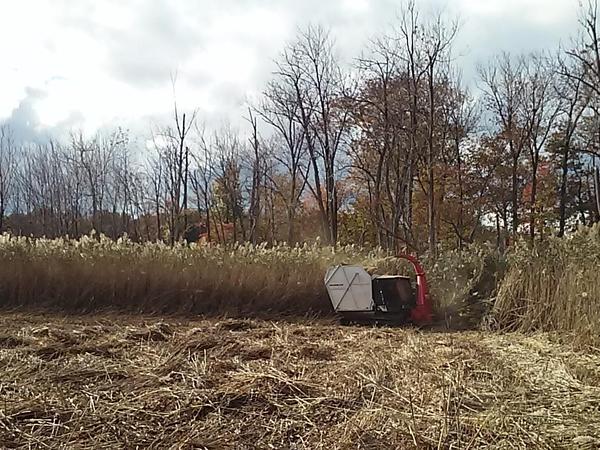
<point>466,165</point>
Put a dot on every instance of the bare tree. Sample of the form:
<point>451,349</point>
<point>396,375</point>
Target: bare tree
<point>378,115</point>
<point>540,109</point>
<point>437,40</point>
<point>311,71</point>
<point>585,67</point>
<point>412,53</point>
<point>172,146</point>
<point>463,116</point>
<point>126,192</point>
<point>228,152</point>
<point>7,170</point>
<point>280,110</point>
<point>503,89</point>
<point>257,171</point>
<point>96,157</point>
<point>202,177</point>
<point>52,184</point>
<point>575,98</point>
<point>155,174</point>
<point>586,51</point>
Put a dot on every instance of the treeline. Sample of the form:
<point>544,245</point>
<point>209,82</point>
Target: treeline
<point>392,150</point>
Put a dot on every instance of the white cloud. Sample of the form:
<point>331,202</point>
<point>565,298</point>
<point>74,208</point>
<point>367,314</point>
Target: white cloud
<point>542,12</point>
<point>357,6</point>
<point>99,62</point>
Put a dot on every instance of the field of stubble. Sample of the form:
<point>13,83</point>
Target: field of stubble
<point>110,381</point>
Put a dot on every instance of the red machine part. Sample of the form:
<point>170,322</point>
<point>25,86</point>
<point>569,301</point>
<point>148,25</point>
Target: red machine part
<point>421,314</point>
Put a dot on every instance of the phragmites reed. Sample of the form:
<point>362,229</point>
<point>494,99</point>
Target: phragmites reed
<point>95,273</point>
<point>553,287</point>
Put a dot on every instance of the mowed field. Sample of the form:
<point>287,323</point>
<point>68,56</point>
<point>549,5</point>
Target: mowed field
<point>109,381</point>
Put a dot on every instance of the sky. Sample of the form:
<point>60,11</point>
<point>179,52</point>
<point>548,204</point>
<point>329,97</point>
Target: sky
<point>91,64</point>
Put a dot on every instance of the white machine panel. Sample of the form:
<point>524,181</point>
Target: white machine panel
<point>349,288</point>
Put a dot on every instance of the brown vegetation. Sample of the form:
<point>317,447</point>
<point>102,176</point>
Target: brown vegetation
<point>555,287</point>
<point>551,287</point>
<point>126,382</point>
<point>94,274</point>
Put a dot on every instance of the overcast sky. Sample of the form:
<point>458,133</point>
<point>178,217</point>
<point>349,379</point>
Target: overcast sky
<point>86,64</point>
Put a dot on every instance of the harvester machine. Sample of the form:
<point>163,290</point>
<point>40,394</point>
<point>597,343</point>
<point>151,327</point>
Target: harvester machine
<point>359,297</point>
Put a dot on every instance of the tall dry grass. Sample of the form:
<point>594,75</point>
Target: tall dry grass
<point>555,286</point>
<point>96,273</point>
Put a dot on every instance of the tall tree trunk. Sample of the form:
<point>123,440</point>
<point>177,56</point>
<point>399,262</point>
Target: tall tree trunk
<point>533,200</point>
<point>319,197</point>
<point>515,196</point>
<point>1,214</point>
<point>208,218</point>
<point>185,189</point>
<point>430,172</point>
<point>409,202</point>
<point>563,191</point>
<point>498,233</point>
<point>597,189</point>
<point>158,236</point>
<point>290,233</point>
<point>331,206</point>
<point>461,195</point>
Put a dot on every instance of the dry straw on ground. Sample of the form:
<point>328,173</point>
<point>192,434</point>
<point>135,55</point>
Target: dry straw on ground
<point>123,382</point>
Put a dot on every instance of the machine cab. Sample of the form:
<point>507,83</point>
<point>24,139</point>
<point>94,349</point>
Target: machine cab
<point>393,294</point>
<point>358,296</point>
